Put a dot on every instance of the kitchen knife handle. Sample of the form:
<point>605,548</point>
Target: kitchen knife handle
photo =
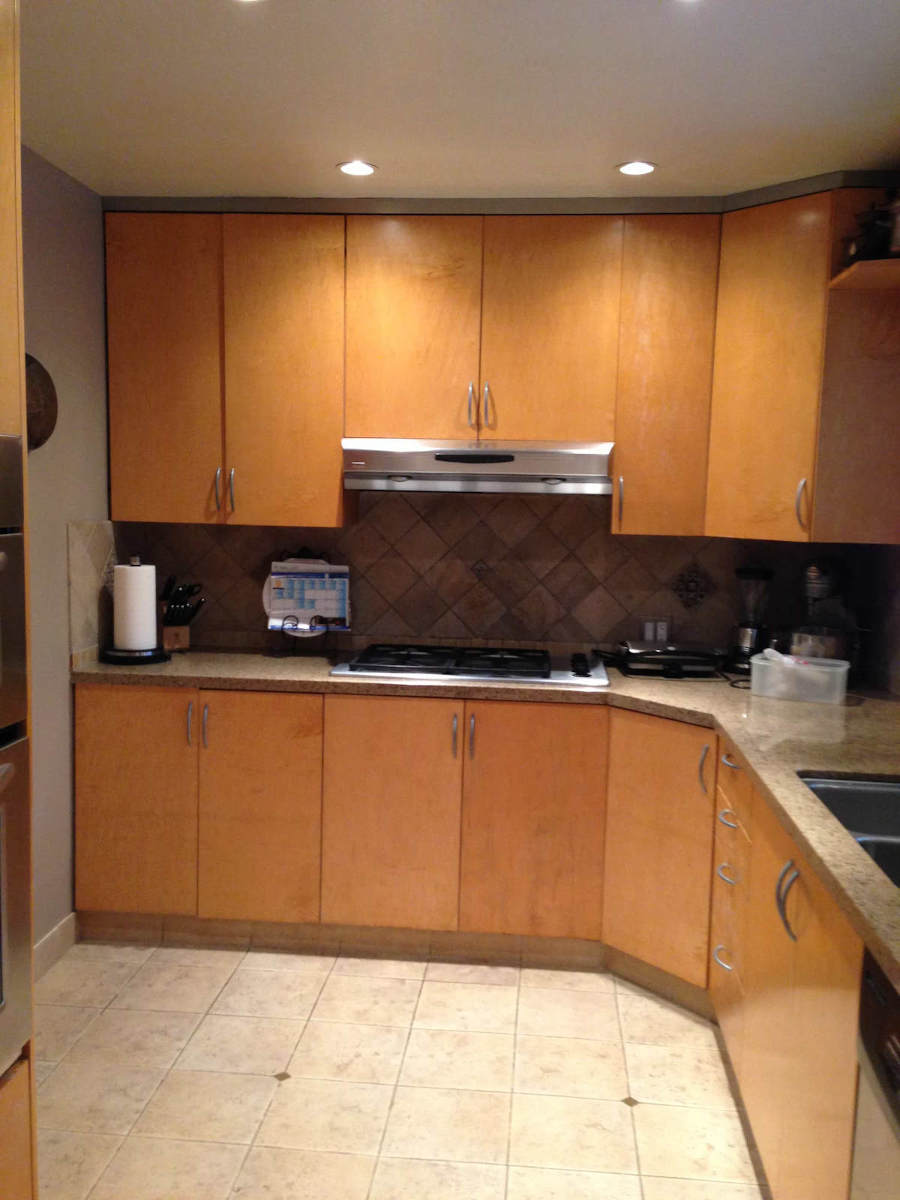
<point>700,765</point>
<point>801,488</point>
<point>217,482</point>
<point>487,404</point>
<point>190,722</point>
<point>621,498</point>
<point>205,726</point>
<point>231,487</point>
<point>472,422</point>
<point>472,736</point>
<point>454,737</point>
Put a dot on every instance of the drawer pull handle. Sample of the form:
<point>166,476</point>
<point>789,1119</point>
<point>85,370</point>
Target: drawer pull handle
<point>471,401</point>
<point>720,961</point>
<point>455,731</point>
<point>786,880</point>
<point>231,487</point>
<point>218,480</point>
<point>720,871</point>
<point>205,726</point>
<point>190,722</point>
<point>801,488</point>
<point>621,498</point>
<point>723,817</point>
<point>472,736</point>
<point>703,753</point>
<point>728,763</point>
<point>487,405</point>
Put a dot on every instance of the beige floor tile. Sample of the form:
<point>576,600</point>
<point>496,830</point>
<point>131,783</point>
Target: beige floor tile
<point>199,956</point>
<point>57,1029</point>
<point>207,1106</point>
<point>359,1053</point>
<point>451,1058</point>
<point>410,1179</point>
<point>575,981</point>
<point>269,994</point>
<point>438,1123</point>
<point>535,1183</point>
<point>158,1169</point>
<point>324,1114</point>
<point>286,960</point>
<point>453,972</point>
<point>83,982</point>
<point>650,1019</point>
<point>271,1174</point>
<point>173,987</point>
<point>359,1000</point>
<point>570,1067</point>
<point>95,1097</point>
<point>247,1045</point>
<point>43,1070</point>
<point>678,1075</point>
<point>109,952</point>
<point>69,1164</point>
<point>692,1189</point>
<point>583,1135</point>
<point>473,1007</point>
<point>558,1012</point>
<point>135,1039</point>
<point>380,968</point>
<point>692,1143</point>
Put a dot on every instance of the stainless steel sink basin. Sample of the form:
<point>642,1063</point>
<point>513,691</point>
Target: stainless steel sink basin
<point>869,809</point>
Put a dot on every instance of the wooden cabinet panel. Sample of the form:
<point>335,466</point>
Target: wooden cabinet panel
<point>15,1134</point>
<point>549,331</point>
<point>669,271</point>
<point>284,366</point>
<point>391,811</point>
<point>413,325</point>
<point>164,325</point>
<point>533,819</point>
<point>728,924</point>
<point>768,368</point>
<point>260,806</point>
<point>136,798</point>
<point>12,349</point>
<point>659,840</point>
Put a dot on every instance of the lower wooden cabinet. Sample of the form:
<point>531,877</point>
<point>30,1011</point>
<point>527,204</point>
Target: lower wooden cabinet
<point>16,1171</point>
<point>659,831</point>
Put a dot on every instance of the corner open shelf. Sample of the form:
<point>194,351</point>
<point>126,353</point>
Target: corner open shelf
<point>869,275</point>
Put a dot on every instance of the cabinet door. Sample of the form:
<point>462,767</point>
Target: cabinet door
<point>669,271</point>
<point>533,818</point>
<point>659,831</point>
<point>15,1134</point>
<point>550,328</point>
<point>12,349</point>
<point>260,806</point>
<point>284,367</point>
<point>390,813</point>
<point>164,325</point>
<point>136,798</point>
<point>767,376</point>
<point>413,317</point>
<point>728,925</point>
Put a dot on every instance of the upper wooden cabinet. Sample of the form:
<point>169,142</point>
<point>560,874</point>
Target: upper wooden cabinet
<point>413,312</point>
<point>550,326</point>
<point>225,326</point>
<point>12,349</point>
<point>669,271</point>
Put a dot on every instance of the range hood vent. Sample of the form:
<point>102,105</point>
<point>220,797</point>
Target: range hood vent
<point>400,465</point>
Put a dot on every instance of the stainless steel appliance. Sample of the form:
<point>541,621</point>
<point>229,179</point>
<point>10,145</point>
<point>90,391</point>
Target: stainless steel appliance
<point>876,1146</point>
<point>403,465</point>
<point>751,634</point>
<point>442,664</point>
<point>15,819</point>
<point>669,661</point>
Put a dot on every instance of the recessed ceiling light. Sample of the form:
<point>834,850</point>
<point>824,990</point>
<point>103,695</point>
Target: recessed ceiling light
<point>637,168</point>
<point>356,166</point>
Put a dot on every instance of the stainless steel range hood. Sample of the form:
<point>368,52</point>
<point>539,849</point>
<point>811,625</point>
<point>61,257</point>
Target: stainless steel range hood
<point>399,465</point>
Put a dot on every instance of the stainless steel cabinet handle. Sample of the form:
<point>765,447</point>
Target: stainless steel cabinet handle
<point>722,818</point>
<point>471,402</point>
<point>720,961</point>
<point>728,763</point>
<point>704,752</point>
<point>205,726</point>
<point>487,404</point>
<point>621,498</point>
<point>720,871</point>
<point>218,481</point>
<point>455,728</point>
<point>231,487</point>
<point>190,722</point>
<point>472,736</point>
<point>801,488</point>
<point>786,880</point>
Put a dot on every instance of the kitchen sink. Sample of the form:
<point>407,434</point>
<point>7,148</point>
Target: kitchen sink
<point>869,809</point>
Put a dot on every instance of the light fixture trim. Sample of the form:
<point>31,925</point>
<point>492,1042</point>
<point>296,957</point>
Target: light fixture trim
<point>637,166</point>
<point>357,166</point>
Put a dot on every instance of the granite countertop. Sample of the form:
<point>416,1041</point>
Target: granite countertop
<point>776,738</point>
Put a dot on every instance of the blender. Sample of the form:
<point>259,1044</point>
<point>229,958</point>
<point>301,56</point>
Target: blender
<point>751,634</point>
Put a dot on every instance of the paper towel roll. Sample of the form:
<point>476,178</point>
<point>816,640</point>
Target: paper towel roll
<point>134,601</point>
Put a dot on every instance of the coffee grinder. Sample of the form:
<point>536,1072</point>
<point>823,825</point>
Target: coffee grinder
<point>751,634</point>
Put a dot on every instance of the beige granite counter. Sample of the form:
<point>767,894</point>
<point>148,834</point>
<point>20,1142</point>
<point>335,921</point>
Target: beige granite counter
<point>776,738</point>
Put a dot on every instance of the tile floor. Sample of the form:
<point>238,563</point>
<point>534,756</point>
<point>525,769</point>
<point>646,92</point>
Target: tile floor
<point>187,1074</point>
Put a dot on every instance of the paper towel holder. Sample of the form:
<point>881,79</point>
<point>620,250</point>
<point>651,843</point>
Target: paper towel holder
<point>133,658</point>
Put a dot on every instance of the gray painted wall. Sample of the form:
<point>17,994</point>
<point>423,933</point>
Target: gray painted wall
<point>62,231</point>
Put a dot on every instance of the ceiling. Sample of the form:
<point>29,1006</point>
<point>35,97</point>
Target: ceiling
<point>458,98</point>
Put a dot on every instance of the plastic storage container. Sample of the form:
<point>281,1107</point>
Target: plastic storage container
<point>822,680</point>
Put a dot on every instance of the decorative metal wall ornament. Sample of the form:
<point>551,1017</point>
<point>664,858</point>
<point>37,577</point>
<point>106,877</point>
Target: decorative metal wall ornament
<point>693,585</point>
<point>40,402</point>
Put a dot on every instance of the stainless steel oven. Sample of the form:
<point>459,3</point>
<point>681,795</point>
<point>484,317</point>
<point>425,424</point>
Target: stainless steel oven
<point>876,1147</point>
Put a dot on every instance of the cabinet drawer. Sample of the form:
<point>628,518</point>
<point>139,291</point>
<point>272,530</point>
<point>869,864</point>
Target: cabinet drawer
<point>734,791</point>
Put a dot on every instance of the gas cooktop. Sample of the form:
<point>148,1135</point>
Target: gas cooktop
<point>430,664</point>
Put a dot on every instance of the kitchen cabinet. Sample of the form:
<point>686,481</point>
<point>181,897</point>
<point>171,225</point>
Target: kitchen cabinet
<point>391,811</point>
<point>16,1171</point>
<point>533,819</point>
<point>260,797</point>
<point>669,273</point>
<point>659,840</point>
<point>550,326</point>
<point>225,325</point>
<point>413,326</point>
<point>12,349</point>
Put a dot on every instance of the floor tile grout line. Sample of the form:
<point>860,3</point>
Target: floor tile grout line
<point>633,1123</point>
<point>512,1087</point>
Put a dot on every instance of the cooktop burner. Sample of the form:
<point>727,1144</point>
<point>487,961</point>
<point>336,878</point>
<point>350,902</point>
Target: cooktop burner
<point>405,658</point>
<point>446,660</point>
